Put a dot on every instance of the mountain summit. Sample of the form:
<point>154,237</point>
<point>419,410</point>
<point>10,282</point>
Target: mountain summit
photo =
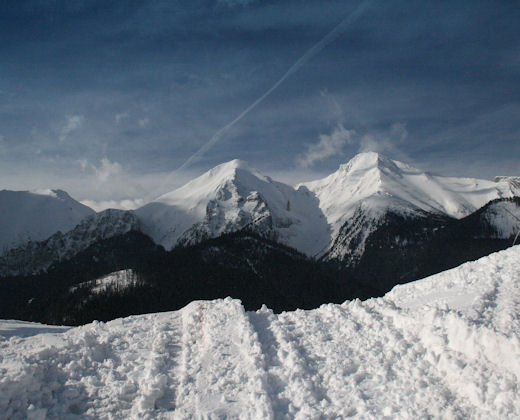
<point>233,196</point>
<point>36,215</point>
<point>380,184</point>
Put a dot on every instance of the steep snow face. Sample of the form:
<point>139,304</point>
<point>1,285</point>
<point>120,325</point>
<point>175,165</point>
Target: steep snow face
<point>503,218</point>
<point>233,196</point>
<point>36,215</point>
<point>35,257</point>
<point>444,347</point>
<point>401,188</point>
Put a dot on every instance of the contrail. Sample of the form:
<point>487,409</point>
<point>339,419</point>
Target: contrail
<point>327,39</point>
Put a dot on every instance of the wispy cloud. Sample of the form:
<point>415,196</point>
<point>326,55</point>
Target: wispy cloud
<point>106,169</point>
<point>327,146</point>
<point>84,164</point>
<point>125,204</point>
<point>73,123</point>
<point>120,117</point>
<point>143,122</point>
<point>333,144</point>
<point>102,172</point>
<point>384,141</point>
<point>399,132</point>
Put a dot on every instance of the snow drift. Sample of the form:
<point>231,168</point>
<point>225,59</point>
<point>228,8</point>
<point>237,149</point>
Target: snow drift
<point>447,346</point>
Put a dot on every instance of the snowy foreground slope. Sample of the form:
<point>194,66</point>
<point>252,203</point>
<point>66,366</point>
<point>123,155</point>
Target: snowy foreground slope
<point>447,346</point>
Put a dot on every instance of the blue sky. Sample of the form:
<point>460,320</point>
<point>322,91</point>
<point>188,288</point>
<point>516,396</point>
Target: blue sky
<point>106,98</point>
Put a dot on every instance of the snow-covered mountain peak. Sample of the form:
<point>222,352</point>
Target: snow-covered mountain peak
<point>512,181</point>
<point>204,187</point>
<point>401,188</point>
<point>231,168</point>
<point>366,174</point>
<point>36,215</point>
<point>55,193</point>
<point>369,161</point>
<point>234,196</point>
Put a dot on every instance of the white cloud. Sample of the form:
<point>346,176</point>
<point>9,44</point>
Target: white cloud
<point>381,141</point>
<point>106,169</point>
<point>399,132</point>
<point>328,145</point>
<point>143,122</point>
<point>73,123</point>
<point>83,163</point>
<point>125,204</point>
<point>374,143</point>
<point>384,142</point>
<point>120,117</point>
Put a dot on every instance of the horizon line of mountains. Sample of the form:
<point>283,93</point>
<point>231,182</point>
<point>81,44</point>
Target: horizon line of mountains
<point>374,223</point>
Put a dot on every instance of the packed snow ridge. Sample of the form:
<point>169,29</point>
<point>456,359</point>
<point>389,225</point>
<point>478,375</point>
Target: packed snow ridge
<point>445,347</point>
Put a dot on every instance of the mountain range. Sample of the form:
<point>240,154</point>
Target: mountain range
<point>234,196</point>
<point>375,221</point>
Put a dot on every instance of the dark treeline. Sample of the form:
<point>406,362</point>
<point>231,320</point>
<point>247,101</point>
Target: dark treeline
<point>242,265</point>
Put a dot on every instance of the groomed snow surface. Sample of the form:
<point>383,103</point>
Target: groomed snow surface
<point>445,347</point>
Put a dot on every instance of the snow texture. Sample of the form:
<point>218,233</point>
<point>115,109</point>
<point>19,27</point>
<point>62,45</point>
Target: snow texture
<point>34,216</point>
<point>443,347</point>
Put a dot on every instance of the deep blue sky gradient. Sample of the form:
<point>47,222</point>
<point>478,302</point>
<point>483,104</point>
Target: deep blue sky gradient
<point>105,98</point>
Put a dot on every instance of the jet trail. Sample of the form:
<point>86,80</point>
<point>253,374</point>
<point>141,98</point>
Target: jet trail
<point>327,39</point>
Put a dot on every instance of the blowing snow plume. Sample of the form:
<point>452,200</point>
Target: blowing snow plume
<point>315,49</point>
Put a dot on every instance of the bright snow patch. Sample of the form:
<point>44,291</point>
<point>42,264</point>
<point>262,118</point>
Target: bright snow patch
<point>117,281</point>
<point>445,347</point>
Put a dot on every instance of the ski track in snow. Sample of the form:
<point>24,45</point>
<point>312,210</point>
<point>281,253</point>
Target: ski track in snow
<point>223,370</point>
<point>443,347</point>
